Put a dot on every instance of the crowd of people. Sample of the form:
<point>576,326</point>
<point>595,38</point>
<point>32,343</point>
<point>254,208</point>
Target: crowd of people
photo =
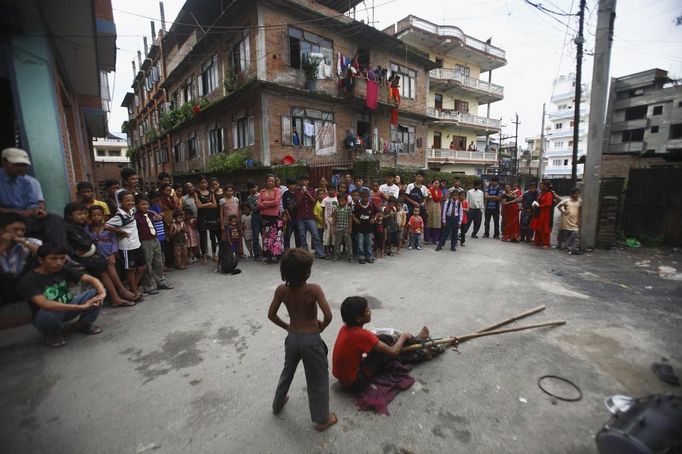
<point>129,240</point>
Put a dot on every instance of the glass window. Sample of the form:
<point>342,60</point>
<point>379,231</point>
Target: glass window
<point>658,110</point>
<point>303,124</point>
<point>101,152</point>
<point>215,140</point>
<point>559,126</point>
<point>209,76</point>
<point>463,70</point>
<point>241,53</point>
<point>243,131</point>
<point>403,138</point>
<point>192,151</point>
<point>177,151</point>
<point>303,43</point>
<point>408,81</point>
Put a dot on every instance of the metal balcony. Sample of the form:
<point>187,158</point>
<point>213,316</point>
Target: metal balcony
<point>460,156</point>
<point>480,124</point>
<point>449,79</point>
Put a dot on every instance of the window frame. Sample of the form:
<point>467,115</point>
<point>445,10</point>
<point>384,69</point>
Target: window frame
<point>240,54</point>
<point>215,138</point>
<point>408,80</point>
<point>192,148</point>
<point>243,130</point>
<point>301,116</point>
<point>398,136</point>
<point>209,76</point>
<point>306,45</point>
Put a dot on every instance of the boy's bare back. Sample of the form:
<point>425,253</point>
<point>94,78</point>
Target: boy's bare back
<point>301,303</point>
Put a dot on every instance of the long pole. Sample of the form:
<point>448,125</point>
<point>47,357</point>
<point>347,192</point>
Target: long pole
<point>578,91</point>
<point>596,140</point>
<point>542,144</point>
<point>516,147</point>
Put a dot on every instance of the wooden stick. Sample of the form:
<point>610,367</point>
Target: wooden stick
<point>460,339</point>
<point>512,319</point>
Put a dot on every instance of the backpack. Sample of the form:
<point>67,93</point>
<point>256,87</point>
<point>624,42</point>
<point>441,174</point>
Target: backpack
<point>227,262</point>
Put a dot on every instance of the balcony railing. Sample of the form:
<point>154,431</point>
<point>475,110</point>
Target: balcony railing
<point>450,31</point>
<point>463,118</point>
<point>474,157</point>
<point>468,82</point>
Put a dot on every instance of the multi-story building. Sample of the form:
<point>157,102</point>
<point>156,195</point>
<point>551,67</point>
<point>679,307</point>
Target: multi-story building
<point>236,82</point>
<point>558,154</point>
<point>54,93</point>
<point>456,94</point>
<point>110,157</point>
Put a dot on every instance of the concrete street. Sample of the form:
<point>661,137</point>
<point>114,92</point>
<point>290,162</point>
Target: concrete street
<point>194,370</point>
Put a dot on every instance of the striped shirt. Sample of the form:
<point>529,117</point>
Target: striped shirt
<point>14,259</point>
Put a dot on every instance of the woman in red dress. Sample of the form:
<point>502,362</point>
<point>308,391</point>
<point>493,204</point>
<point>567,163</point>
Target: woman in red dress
<point>541,220</point>
<point>511,229</point>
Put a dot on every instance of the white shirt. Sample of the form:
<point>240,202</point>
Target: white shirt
<point>126,222</point>
<point>411,186</point>
<point>475,199</point>
<point>391,191</point>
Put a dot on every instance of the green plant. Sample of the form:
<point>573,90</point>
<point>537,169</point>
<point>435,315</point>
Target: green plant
<point>223,162</point>
<point>152,134</point>
<point>232,82</point>
<point>310,66</point>
<point>132,152</point>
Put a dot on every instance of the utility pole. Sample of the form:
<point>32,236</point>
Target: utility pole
<point>596,140</point>
<point>579,41</point>
<point>542,144</point>
<point>516,146</point>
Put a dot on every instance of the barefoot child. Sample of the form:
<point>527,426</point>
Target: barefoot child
<point>303,341</point>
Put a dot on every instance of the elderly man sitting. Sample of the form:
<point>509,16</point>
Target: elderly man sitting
<point>20,193</point>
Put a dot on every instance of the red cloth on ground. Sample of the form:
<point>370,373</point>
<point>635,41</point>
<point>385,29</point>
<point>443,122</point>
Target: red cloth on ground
<point>351,343</point>
<point>372,94</point>
<point>384,387</point>
<point>394,117</point>
<point>511,228</point>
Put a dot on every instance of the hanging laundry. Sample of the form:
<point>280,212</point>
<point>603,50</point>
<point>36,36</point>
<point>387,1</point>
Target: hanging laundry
<point>372,94</point>
<point>309,129</point>
<point>394,116</point>
<point>295,140</point>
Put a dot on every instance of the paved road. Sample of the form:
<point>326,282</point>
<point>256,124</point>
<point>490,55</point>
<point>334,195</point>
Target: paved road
<point>194,370</point>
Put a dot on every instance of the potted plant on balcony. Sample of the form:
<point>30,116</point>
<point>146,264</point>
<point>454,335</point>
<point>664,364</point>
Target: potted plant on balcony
<point>310,66</point>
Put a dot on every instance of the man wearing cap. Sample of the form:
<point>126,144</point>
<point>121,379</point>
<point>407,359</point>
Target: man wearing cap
<point>20,193</point>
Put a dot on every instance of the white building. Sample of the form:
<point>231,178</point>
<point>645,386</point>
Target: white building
<point>559,131</point>
<point>110,157</point>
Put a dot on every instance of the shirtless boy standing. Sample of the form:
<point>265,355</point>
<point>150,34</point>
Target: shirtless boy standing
<point>303,341</point>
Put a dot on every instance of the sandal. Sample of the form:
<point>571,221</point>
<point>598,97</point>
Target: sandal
<point>125,303</point>
<point>89,330</point>
<point>56,342</point>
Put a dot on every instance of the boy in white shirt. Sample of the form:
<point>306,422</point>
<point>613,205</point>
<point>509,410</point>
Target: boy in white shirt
<point>570,223</point>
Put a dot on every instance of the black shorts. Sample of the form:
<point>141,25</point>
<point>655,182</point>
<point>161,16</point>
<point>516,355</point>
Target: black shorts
<point>132,259</point>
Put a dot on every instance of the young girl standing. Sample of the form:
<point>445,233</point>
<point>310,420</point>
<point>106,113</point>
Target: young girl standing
<point>433,209</point>
<point>207,219</point>
<point>269,206</point>
<point>193,252</point>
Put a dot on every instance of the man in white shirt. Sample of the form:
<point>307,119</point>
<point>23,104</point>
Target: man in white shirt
<point>417,194</point>
<point>390,189</point>
<point>475,199</point>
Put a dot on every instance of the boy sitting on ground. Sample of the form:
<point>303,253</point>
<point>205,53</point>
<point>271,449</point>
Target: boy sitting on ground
<point>47,290</point>
<point>353,341</point>
<point>303,341</point>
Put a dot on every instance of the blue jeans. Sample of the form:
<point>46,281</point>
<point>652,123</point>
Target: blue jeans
<point>52,323</point>
<point>309,225</point>
<point>364,245</point>
<point>256,226</point>
<point>414,239</point>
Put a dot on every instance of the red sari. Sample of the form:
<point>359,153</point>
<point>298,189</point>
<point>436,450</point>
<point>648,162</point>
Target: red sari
<point>541,223</point>
<point>511,227</point>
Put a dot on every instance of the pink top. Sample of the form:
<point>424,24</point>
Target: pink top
<point>269,205</point>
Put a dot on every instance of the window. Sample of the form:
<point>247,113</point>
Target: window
<point>635,113</point>
<point>306,123</point>
<point>463,70</point>
<point>363,58</point>
<point>439,62</point>
<point>177,152</point>
<point>408,81</point>
<point>562,107</point>
<point>215,140</point>
<point>556,162</point>
<point>461,106</point>
<point>438,102</point>
<point>637,92</point>
<point>559,144</point>
<point>654,129</point>
<point>162,155</point>
<point>558,126</point>
<point>114,153</point>
<point>243,133</point>
<point>572,123</point>
<point>570,144</point>
<point>676,131</point>
<point>436,140</point>
<point>658,110</point>
<point>101,152</point>
<point>192,152</point>
<point>679,103</point>
<point>635,135</point>
<point>402,139</point>
<point>187,91</point>
<point>565,162</point>
<point>302,43</point>
<point>208,81</point>
<point>241,53</point>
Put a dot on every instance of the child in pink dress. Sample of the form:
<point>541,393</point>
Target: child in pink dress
<point>192,236</point>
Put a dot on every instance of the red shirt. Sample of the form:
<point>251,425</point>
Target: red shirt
<point>416,224</point>
<point>351,343</point>
<point>465,204</point>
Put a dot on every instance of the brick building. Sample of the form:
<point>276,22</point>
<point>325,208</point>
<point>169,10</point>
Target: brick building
<point>237,83</point>
<point>54,60</point>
